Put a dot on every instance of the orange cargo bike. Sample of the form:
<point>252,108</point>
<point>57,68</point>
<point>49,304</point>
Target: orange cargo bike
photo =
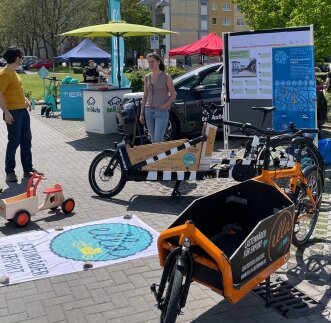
<point>235,238</point>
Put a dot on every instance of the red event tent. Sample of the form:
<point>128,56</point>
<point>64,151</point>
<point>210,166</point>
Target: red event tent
<point>210,45</point>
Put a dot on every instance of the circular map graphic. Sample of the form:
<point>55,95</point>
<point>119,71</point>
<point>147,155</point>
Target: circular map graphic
<point>281,57</point>
<point>101,242</point>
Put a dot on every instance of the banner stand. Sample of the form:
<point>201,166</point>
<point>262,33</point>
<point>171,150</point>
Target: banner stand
<point>248,75</point>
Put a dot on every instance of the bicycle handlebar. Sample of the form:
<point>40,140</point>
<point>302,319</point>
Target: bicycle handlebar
<point>247,127</point>
<point>52,78</point>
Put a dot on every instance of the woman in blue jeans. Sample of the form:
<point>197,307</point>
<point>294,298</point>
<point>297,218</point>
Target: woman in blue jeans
<point>159,94</point>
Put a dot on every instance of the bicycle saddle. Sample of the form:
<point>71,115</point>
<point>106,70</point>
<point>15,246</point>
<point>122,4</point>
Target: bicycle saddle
<point>264,109</point>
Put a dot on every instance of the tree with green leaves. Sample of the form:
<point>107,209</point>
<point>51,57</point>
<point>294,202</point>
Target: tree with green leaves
<point>133,13</point>
<point>267,14</point>
<point>36,24</point>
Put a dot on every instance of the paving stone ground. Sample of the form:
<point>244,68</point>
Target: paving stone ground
<point>120,293</point>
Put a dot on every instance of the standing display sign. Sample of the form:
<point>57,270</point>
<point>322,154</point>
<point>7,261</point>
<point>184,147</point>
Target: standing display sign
<point>251,75</point>
<point>71,97</point>
<point>294,88</point>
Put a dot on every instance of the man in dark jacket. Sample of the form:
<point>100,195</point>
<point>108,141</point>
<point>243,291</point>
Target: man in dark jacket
<point>92,74</point>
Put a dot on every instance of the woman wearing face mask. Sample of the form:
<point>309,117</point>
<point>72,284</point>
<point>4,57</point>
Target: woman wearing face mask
<point>159,94</point>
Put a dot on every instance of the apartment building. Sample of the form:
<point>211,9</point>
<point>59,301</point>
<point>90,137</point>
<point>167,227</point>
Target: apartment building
<point>194,19</point>
<point>225,17</point>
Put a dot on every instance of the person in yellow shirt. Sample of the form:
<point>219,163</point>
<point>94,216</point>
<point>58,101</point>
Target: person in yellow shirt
<point>15,108</point>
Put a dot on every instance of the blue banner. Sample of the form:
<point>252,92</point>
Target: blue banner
<point>115,14</point>
<point>294,87</point>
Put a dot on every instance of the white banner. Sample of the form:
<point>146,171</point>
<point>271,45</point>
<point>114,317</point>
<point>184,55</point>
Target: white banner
<point>41,254</point>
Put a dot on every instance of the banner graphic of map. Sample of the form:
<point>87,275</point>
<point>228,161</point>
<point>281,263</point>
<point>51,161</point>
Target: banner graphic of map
<point>294,87</point>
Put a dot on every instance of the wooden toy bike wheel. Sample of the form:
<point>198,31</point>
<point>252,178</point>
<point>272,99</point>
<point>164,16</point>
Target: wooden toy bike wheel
<point>68,206</point>
<point>22,218</point>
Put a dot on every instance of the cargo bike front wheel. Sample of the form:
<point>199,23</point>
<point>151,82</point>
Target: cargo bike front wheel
<point>171,305</point>
<point>107,175</point>
<point>171,294</point>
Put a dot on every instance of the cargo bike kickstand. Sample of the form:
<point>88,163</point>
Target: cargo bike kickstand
<point>233,239</point>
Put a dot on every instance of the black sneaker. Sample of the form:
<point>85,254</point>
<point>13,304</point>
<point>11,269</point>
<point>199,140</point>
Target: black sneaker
<point>28,174</point>
<point>11,177</point>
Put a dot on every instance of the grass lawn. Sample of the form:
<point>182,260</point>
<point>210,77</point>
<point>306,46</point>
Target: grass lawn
<point>33,84</point>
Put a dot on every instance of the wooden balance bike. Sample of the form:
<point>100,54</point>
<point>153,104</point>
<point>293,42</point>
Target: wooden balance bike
<point>20,208</point>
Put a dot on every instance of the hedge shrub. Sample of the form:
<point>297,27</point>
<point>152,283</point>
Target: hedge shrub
<point>137,77</point>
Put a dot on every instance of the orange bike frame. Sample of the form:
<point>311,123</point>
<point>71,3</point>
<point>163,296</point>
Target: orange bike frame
<point>295,173</point>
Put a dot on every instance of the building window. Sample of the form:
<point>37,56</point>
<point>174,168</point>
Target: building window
<point>240,22</point>
<point>226,21</point>
<point>213,6</point>
<point>226,6</point>
<point>204,25</point>
<point>239,7</point>
<point>204,10</point>
<point>213,21</point>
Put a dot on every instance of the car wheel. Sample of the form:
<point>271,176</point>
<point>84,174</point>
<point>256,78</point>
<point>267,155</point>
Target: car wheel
<point>172,131</point>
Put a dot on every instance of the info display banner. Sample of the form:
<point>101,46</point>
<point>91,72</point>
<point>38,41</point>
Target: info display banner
<point>249,75</point>
<point>294,87</point>
<point>250,60</point>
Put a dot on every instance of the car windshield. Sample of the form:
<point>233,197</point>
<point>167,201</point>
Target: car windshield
<point>190,73</point>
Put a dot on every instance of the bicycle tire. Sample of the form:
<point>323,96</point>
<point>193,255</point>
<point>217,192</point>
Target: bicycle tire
<point>97,177</point>
<point>310,152</point>
<point>304,209</point>
<point>171,308</point>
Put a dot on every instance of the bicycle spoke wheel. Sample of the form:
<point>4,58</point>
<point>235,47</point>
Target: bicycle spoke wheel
<point>283,152</point>
<point>306,213</point>
<point>106,178</point>
<point>282,156</point>
<point>170,307</point>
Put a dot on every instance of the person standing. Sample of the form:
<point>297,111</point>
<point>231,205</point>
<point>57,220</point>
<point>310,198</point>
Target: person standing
<point>159,94</point>
<point>14,105</point>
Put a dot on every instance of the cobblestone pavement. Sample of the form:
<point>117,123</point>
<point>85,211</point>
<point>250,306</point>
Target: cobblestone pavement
<point>120,293</point>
